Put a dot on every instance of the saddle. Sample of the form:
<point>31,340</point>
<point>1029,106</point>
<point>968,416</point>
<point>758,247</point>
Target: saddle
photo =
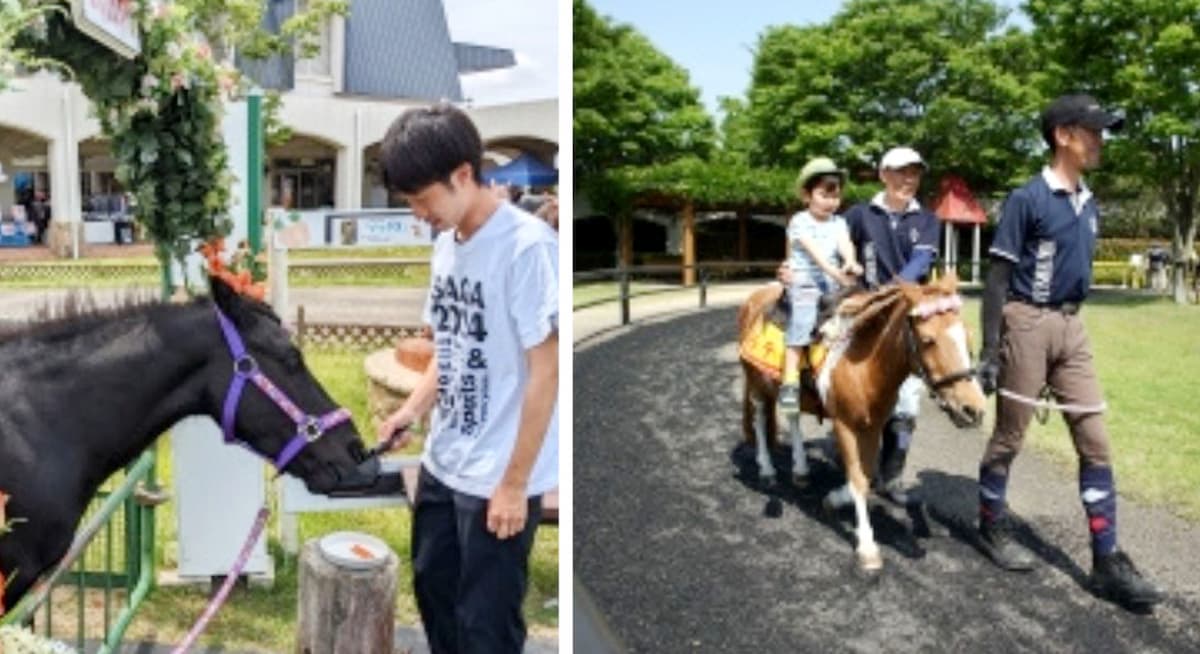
<point>764,344</point>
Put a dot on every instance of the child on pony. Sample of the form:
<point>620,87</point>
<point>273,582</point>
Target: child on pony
<point>821,257</point>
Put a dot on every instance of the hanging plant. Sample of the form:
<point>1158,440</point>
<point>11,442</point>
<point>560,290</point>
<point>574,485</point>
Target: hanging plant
<point>16,17</point>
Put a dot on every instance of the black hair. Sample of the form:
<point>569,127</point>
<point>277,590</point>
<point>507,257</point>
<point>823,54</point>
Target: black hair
<point>820,180</point>
<point>425,145</point>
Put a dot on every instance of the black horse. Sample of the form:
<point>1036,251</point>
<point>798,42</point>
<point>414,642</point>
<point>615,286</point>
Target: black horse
<point>83,395</point>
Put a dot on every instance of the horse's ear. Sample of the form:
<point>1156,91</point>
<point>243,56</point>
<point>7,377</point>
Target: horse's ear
<point>223,295</point>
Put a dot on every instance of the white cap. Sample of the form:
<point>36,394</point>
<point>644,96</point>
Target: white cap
<point>898,158</point>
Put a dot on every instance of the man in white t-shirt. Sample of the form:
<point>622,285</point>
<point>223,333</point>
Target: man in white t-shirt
<point>492,449</point>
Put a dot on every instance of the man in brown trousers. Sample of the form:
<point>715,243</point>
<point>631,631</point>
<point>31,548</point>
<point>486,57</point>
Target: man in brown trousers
<point>1033,337</point>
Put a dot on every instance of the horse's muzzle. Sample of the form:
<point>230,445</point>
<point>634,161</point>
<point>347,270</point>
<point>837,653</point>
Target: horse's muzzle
<point>367,479</point>
<point>965,417</point>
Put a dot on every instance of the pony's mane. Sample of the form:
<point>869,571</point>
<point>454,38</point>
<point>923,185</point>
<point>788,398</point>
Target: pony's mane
<point>861,309</point>
<point>77,313</point>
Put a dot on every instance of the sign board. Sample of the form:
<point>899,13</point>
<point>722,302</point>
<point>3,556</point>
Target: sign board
<point>111,22</point>
<point>391,228</point>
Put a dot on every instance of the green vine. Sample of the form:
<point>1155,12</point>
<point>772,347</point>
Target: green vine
<point>708,184</point>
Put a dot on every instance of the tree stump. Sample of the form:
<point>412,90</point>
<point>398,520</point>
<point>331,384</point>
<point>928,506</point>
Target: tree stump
<point>344,609</point>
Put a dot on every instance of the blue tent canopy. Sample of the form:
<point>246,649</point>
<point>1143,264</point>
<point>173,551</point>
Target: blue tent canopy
<point>525,170</point>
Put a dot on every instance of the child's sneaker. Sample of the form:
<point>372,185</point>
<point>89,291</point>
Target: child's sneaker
<point>789,399</point>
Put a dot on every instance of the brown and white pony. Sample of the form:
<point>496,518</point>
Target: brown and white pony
<point>881,338</point>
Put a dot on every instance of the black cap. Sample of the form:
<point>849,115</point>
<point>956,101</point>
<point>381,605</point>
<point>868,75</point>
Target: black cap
<point>1078,109</point>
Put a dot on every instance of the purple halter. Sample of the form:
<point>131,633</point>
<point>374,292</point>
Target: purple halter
<point>308,427</point>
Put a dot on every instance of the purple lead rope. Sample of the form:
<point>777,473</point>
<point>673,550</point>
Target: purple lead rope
<point>236,571</point>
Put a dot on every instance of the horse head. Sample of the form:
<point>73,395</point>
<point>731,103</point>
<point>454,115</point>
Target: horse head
<point>266,397</point>
<point>939,346</point>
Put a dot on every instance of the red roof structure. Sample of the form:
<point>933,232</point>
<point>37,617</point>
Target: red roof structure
<point>955,204</point>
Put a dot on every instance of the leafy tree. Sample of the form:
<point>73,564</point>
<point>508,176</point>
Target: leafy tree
<point>1143,56</point>
<point>937,75</point>
<point>633,105</point>
<point>737,132</point>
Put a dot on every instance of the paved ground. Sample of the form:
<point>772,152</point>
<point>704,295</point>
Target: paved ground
<point>683,549</point>
<point>40,253</point>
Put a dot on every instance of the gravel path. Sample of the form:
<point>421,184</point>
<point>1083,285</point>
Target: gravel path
<point>684,550</point>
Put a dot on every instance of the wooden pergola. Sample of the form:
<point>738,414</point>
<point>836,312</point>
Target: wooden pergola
<point>686,208</point>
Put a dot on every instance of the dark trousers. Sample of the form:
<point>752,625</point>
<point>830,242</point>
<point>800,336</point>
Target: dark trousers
<point>469,584</point>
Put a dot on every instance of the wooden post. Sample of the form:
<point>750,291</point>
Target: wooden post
<point>689,244</point>
<point>975,243</point>
<point>743,248</point>
<point>625,241</point>
<point>343,609</point>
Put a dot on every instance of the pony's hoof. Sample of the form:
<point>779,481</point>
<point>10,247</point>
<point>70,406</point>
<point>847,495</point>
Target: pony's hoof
<point>870,561</point>
<point>800,480</point>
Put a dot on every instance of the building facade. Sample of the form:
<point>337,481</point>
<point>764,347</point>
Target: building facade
<point>384,57</point>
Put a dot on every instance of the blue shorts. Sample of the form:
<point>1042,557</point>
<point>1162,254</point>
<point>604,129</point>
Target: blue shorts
<point>804,315</point>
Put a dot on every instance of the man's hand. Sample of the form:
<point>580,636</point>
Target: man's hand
<point>784,274</point>
<point>508,508</point>
<point>394,430</point>
<point>989,370</point>
<point>852,270</point>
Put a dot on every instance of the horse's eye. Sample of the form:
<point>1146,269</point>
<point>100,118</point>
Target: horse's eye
<point>927,341</point>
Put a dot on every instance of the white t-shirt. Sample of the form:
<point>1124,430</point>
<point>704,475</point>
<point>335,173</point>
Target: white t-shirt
<point>490,299</point>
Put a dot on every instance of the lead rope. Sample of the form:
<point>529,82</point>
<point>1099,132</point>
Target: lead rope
<point>236,571</point>
<point>1044,403</point>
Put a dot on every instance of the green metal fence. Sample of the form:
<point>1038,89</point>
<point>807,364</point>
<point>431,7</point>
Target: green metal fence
<point>108,571</point>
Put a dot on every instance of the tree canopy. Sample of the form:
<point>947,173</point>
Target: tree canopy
<point>938,75</point>
<point>633,105</point>
<point>1144,57</point>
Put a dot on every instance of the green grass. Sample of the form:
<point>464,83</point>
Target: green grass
<point>1147,353</point>
<point>265,619</point>
<point>588,293</point>
<point>391,252</point>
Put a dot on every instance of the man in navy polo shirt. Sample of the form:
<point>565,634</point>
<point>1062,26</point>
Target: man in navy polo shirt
<point>896,240</point>
<point>1033,337</point>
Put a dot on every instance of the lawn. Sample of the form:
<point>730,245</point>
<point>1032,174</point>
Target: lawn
<point>260,619</point>
<point>1147,354</point>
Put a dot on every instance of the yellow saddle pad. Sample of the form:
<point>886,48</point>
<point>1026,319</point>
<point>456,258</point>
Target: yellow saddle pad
<point>763,347</point>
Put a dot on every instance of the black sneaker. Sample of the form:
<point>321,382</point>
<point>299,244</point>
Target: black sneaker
<point>996,541</point>
<point>789,399</point>
<point>1115,577</point>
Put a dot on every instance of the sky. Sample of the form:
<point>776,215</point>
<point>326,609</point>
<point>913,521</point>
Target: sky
<point>527,27</point>
<point>714,41</point>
